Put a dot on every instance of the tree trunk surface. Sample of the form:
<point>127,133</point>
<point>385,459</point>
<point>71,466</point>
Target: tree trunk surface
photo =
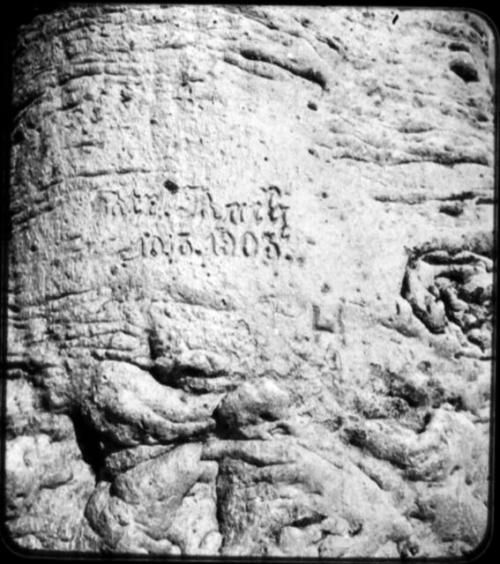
<point>250,281</point>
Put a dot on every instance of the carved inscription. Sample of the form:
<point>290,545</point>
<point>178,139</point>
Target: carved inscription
<point>189,222</point>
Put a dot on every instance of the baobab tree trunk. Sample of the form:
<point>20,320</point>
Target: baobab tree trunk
<point>250,281</point>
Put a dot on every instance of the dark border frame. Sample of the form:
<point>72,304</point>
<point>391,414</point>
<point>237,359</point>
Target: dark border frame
<point>24,11</point>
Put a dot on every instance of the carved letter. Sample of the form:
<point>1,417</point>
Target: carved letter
<point>274,192</point>
<point>156,246</point>
<point>185,246</point>
<point>257,208</point>
<point>228,242</point>
<point>250,244</point>
<point>153,204</point>
<point>236,212</point>
<point>137,203</point>
<point>217,214</point>
<point>214,244</point>
<point>285,228</point>
<point>272,249</point>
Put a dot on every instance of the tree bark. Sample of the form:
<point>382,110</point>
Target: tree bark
<point>250,281</point>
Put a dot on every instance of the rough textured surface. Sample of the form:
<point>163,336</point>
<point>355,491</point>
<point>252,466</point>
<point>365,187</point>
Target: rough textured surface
<point>250,293</point>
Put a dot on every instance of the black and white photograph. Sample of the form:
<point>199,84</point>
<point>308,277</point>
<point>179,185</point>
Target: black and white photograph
<point>248,282</point>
